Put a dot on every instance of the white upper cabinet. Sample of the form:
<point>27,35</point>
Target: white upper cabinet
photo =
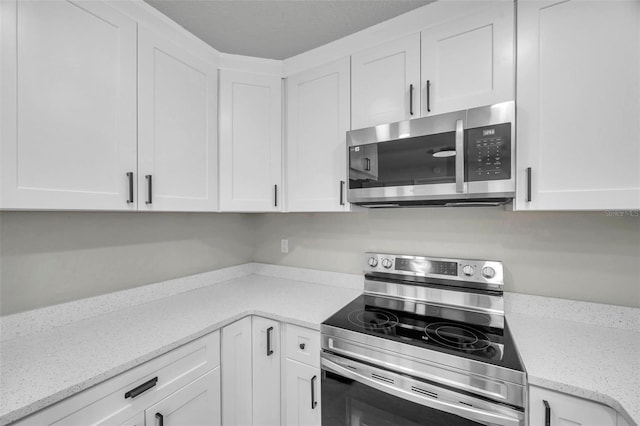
<point>250,142</point>
<point>578,105</point>
<point>385,83</point>
<point>318,111</point>
<point>469,61</point>
<point>177,145</point>
<point>68,106</point>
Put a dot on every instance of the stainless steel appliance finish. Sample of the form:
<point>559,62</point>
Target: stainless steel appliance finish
<point>383,346</point>
<point>423,393</point>
<point>482,173</point>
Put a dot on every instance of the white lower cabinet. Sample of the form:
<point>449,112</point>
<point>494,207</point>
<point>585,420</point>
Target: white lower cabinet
<point>197,404</point>
<point>183,385</point>
<point>567,410</point>
<point>302,394</point>
<point>251,372</point>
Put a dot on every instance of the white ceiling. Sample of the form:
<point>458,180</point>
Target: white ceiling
<point>278,29</point>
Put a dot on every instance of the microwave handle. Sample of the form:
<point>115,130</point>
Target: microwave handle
<point>460,166</point>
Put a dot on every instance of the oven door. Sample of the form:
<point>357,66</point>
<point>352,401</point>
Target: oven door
<point>357,394</point>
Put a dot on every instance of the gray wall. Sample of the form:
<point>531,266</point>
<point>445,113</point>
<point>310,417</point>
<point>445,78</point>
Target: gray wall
<point>585,256</point>
<point>53,257</point>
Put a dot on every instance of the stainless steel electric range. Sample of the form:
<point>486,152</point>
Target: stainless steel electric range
<point>425,344</point>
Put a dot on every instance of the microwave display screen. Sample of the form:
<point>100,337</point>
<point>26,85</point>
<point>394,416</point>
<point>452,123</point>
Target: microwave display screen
<point>488,153</point>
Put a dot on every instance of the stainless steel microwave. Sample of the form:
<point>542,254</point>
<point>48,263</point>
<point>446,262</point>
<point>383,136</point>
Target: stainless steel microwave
<point>456,159</point>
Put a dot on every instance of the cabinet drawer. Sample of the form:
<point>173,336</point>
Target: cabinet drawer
<point>303,345</point>
<point>106,404</point>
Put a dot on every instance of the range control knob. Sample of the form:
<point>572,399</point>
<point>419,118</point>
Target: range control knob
<point>488,272</point>
<point>467,270</point>
<point>387,263</point>
<point>373,262</point>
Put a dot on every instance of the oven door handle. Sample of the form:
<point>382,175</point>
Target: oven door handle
<point>468,412</point>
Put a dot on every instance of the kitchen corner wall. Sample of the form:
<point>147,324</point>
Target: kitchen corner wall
<point>53,257</point>
<point>589,256</point>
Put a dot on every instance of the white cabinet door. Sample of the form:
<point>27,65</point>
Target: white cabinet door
<point>567,410</point>
<point>236,374</point>
<point>250,142</point>
<point>197,404</point>
<point>267,351</point>
<point>137,420</point>
<point>302,394</point>
<point>318,111</point>
<point>578,105</point>
<point>469,61</point>
<point>177,146</point>
<point>68,105</point>
<point>382,81</point>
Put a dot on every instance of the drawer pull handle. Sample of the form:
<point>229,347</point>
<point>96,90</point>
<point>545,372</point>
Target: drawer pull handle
<point>160,418</point>
<point>130,179</point>
<point>302,346</point>
<point>547,413</point>
<point>142,388</point>
<point>269,350</point>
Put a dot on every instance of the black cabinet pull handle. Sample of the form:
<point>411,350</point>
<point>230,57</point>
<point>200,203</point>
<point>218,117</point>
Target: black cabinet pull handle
<point>342,193</point>
<point>411,99</point>
<point>130,177</point>
<point>149,189</point>
<point>547,413</point>
<point>142,388</point>
<point>529,184</point>
<point>428,95</point>
<point>160,418</point>
<point>275,195</point>
<point>367,164</point>
<point>314,403</point>
<point>269,350</point>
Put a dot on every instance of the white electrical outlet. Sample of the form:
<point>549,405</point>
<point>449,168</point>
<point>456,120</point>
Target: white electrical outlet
<point>284,246</point>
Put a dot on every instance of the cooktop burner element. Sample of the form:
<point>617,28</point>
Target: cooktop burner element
<point>373,319</point>
<point>457,336</point>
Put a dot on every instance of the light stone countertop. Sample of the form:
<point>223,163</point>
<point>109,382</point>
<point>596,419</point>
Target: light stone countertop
<point>55,352</point>
<point>39,369</point>
<point>585,360</point>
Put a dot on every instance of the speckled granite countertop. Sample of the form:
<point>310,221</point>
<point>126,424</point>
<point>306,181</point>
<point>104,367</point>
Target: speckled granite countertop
<point>43,368</point>
<point>590,361</point>
<point>50,354</point>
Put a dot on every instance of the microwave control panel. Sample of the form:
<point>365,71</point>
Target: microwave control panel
<point>488,153</point>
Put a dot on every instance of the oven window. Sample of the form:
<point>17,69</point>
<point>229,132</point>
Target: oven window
<point>414,161</point>
<point>350,403</point>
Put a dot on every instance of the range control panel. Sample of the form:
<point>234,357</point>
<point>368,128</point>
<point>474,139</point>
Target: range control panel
<point>488,153</point>
<point>483,271</point>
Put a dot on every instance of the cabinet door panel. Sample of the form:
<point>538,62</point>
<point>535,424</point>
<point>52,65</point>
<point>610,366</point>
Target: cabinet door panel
<point>567,410</point>
<point>266,358</point>
<point>197,404</point>
<point>579,105</point>
<point>250,142</point>
<point>381,79</point>
<point>299,410</point>
<point>318,109</point>
<point>177,127</point>
<point>68,105</point>
<point>469,62</point>
<point>236,374</point>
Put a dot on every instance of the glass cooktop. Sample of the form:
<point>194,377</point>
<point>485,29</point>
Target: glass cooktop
<point>446,330</point>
